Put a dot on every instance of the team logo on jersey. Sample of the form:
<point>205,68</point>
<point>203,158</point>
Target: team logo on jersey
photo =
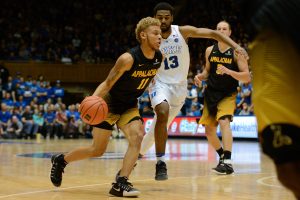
<point>228,53</point>
<point>156,62</point>
<point>153,94</point>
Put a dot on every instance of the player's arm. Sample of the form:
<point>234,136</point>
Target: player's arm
<point>243,75</point>
<point>205,73</point>
<point>123,63</point>
<point>193,32</point>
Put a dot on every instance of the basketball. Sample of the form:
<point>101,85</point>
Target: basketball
<point>93,110</point>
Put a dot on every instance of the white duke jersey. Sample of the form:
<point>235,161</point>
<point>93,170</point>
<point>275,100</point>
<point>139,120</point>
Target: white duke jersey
<point>175,67</point>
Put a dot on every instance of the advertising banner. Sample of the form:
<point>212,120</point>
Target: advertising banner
<point>241,126</point>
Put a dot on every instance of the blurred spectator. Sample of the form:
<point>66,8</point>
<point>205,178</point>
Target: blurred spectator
<point>245,109</point>
<point>246,92</point>
<point>61,117</point>
<point>8,100</point>
<point>192,94</point>
<point>30,128</point>
<point>20,102</point>
<point>58,91</point>
<point>72,130</point>
<point>42,92</point>
<point>39,120</point>
<point>53,127</point>
<point>14,128</point>
<point>5,115</point>
<point>144,101</point>
<point>239,100</point>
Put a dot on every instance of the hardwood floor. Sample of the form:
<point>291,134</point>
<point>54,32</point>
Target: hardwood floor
<point>25,167</point>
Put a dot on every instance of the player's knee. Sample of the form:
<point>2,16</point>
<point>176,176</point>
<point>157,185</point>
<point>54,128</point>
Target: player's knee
<point>97,151</point>
<point>209,130</point>
<point>136,138</point>
<point>162,115</point>
<point>224,123</point>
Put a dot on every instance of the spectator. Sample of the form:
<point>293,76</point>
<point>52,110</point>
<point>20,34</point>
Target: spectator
<point>245,109</point>
<point>39,120</point>
<point>5,115</point>
<point>30,128</point>
<point>58,91</point>
<point>14,128</point>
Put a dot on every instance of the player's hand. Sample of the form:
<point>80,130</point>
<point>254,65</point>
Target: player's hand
<point>239,51</point>
<point>221,69</point>
<point>198,79</point>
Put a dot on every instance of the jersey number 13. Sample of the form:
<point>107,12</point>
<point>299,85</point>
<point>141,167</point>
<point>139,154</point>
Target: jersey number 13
<point>171,63</point>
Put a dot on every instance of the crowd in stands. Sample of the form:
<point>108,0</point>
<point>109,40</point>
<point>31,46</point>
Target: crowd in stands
<point>75,31</point>
<point>96,31</point>
<point>30,106</point>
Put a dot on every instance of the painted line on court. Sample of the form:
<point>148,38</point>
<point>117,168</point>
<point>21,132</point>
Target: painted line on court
<point>51,190</point>
<point>262,181</point>
<point>99,184</point>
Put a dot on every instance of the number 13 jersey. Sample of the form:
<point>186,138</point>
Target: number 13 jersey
<point>175,67</point>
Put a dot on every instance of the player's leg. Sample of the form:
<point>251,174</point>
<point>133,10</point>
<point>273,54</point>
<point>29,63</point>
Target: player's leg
<point>132,126</point>
<point>148,139</point>
<point>210,124</point>
<point>101,134</point>
<point>161,136</point>
<point>98,147</point>
<point>158,93</point>
<point>100,140</point>
<point>211,130</point>
<point>134,132</point>
<point>224,116</point>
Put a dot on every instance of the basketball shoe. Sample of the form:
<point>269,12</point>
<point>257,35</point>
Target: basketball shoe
<point>123,188</point>
<point>224,167</point>
<point>161,171</point>
<point>58,166</point>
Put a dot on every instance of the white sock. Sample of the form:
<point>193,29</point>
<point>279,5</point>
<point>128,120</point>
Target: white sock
<point>161,158</point>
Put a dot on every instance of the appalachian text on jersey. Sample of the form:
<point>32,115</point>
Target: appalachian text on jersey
<point>144,73</point>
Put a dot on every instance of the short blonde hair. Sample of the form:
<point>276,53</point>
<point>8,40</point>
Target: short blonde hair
<point>144,24</point>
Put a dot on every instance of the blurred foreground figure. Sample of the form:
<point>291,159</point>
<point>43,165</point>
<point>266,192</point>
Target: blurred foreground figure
<point>274,55</point>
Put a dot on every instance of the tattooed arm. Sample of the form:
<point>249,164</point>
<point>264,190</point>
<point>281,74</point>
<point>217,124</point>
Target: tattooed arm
<point>123,63</point>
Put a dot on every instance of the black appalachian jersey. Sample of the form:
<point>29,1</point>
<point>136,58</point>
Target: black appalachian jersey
<point>133,83</point>
<point>217,81</point>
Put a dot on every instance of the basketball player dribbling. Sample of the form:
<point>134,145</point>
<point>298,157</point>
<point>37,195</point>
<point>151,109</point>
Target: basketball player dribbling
<point>275,51</point>
<point>169,88</point>
<point>127,80</point>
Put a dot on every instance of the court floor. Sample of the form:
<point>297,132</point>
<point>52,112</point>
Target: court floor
<point>25,167</point>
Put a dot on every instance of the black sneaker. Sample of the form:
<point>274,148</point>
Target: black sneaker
<point>58,165</point>
<point>224,167</point>
<point>118,174</point>
<point>123,188</point>
<point>161,171</point>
